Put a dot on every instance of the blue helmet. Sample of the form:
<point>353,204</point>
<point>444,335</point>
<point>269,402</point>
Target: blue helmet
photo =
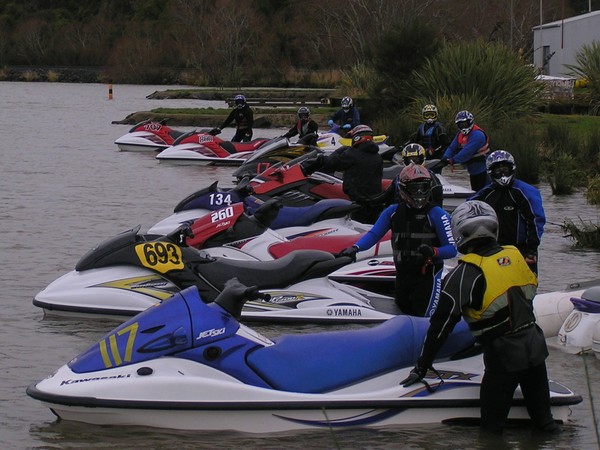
<point>240,101</point>
<point>464,121</point>
<point>501,167</point>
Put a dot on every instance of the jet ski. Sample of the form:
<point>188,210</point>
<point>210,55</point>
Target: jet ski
<point>189,365</point>
<point>205,148</point>
<point>148,136</point>
<point>579,331</point>
<point>335,138</point>
<point>131,272</point>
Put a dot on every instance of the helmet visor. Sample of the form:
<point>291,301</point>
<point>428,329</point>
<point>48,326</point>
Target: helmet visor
<point>501,170</point>
<point>429,115</point>
<point>418,188</point>
<point>303,116</point>
<point>417,159</point>
<point>462,124</point>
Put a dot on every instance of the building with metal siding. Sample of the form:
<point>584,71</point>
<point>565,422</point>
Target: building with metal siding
<point>557,43</point>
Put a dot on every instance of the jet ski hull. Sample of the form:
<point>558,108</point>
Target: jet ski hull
<point>178,394</point>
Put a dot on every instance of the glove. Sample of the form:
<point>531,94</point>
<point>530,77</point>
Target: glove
<point>312,165</point>
<point>330,123</point>
<point>416,375</point>
<point>530,256</point>
<point>215,131</point>
<point>346,126</point>
<point>350,252</point>
<point>427,251</point>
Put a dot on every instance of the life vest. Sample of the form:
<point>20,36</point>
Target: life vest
<point>508,299</point>
<point>302,128</point>
<point>464,138</point>
<point>427,139</point>
<point>411,228</point>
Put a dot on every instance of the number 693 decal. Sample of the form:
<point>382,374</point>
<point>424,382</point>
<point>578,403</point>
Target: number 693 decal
<point>161,257</point>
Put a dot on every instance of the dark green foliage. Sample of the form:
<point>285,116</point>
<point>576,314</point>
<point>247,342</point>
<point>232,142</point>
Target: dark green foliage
<point>588,67</point>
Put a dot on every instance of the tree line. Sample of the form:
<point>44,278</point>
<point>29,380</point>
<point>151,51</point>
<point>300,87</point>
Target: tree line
<point>259,42</point>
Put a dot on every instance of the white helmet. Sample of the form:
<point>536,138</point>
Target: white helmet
<point>473,220</point>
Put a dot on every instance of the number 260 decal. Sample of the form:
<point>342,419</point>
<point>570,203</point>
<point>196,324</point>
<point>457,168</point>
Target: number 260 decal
<point>160,256</point>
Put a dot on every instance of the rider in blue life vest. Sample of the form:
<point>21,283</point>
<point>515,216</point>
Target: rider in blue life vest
<point>347,116</point>
<point>431,134</point>
<point>305,128</point>
<point>243,116</point>
<point>518,206</point>
<point>469,148</point>
<point>421,240</point>
<point>492,288</point>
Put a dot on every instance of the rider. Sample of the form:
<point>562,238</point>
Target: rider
<point>363,171</point>
<point>416,153</point>
<point>518,206</point>
<point>431,134</point>
<point>305,128</point>
<point>493,290</point>
<point>347,116</point>
<point>469,148</point>
<point>244,120</point>
<point>421,240</point>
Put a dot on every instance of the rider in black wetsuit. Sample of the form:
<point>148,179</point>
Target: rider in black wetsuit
<point>243,116</point>
<point>493,289</point>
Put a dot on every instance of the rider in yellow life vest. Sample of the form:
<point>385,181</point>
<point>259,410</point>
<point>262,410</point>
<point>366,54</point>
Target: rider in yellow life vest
<point>492,287</point>
<point>502,271</point>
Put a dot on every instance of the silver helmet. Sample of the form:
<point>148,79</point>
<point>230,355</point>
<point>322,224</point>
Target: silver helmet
<point>473,220</point>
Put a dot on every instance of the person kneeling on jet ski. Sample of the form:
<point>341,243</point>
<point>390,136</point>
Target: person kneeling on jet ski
<point>492,288</point>
<point>421,241</point>
<point>363,171</point>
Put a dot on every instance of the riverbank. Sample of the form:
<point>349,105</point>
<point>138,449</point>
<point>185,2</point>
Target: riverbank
<point>273,107</point>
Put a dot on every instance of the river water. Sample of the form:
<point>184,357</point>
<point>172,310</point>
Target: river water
<point>64,188</point>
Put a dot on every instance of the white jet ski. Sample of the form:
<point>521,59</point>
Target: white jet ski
<point>190,365</point>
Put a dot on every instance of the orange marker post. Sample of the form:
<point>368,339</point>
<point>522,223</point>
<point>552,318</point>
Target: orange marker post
<point>110,91</point>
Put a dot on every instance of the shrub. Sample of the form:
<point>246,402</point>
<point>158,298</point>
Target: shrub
<point>588,67</point>
<point>489,76</point>
<point>588,235</point>
<point>593,190</point>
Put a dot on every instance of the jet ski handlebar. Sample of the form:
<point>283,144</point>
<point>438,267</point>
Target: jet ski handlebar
<point>235,294</point>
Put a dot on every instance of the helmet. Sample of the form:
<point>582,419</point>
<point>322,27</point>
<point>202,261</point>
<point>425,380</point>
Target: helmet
<point>347,103</point>
<point>464,121</point>
<point>360,134</point>
<point>429,113</point>
<point>413,153</point>
<point>501,167</point>
<point>414,185</point>
<point>240,101</point>
<point>303,113</point>
<point>473,220</point>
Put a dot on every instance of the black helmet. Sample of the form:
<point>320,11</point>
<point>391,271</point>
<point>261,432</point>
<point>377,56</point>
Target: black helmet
<point>303,113</point>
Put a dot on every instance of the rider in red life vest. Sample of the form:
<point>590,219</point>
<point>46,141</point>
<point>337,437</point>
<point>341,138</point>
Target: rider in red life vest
<point>469,148</point>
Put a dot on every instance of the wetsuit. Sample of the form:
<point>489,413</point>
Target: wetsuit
<point>493,289</point>
<point>417,281</point>
<point>363,170</point>
<point>244,121</point>
<point>521,216</point>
